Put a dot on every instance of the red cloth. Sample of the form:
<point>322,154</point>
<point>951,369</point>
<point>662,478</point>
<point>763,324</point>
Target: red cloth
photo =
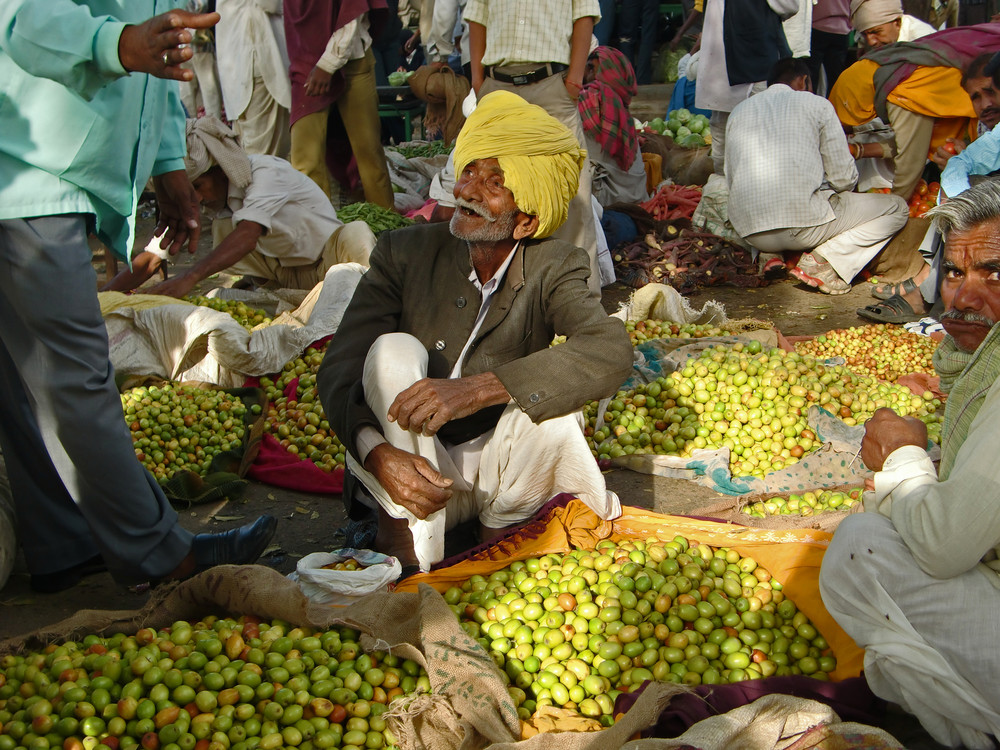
<point>309,24</point>
<point>274,465</point>
<point>604,104</point>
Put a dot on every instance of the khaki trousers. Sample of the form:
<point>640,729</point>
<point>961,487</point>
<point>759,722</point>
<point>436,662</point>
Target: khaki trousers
<point>351,243</point>
<point>263,126</point>
<point>358,107</point>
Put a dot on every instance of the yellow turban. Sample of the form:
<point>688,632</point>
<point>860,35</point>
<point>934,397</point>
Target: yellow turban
<point>540,157</point>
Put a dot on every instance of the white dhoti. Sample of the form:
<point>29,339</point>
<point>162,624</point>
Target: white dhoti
<point>502,477</point>
<point>929,642</point>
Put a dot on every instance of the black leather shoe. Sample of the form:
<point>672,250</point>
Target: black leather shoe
<point>234,547</point>
<point>50,583</point>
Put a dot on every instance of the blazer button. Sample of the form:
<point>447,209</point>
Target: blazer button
<point>460,302</point>
<point>533,398</point>
<point>440,345</point>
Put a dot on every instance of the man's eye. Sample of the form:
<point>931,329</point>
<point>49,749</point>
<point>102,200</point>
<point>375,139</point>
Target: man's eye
<point>952,273</point>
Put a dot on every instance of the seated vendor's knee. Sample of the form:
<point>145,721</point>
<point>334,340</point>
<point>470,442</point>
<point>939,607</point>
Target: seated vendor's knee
<point>848,559</point>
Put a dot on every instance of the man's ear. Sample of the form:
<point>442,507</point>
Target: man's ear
<point>526,226</point>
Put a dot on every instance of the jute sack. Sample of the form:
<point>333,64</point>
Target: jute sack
<point>469,707</point>
<point>731,511</point>
<point>782,722</point>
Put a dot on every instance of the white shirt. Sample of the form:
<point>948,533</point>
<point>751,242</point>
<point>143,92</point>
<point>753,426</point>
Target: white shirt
<point>350,42</point>
<point>296,214</point>
<point>249,42</point>
<point>786,153</point>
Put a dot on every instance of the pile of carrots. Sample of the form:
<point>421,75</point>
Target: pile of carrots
<point>672,202</point>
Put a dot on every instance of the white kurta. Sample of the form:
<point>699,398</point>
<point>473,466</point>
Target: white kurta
<point>250,42</point>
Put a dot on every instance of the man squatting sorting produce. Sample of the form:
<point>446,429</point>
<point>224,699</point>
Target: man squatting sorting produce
<point>916,581</point>
<point>272,223</point>
<point>440,379</point>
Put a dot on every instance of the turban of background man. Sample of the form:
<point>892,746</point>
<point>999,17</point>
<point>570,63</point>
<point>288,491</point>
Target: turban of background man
<point>867,14</point>
<point>540,157</point>
<point>211,143</point>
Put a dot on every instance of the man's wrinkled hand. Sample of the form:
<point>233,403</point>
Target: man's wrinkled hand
<point>318,82</point>
<point>885,432</point>
<point>429,404</point>
<point>178,217</point>
<point>409,480</point>
<point>155,46</point>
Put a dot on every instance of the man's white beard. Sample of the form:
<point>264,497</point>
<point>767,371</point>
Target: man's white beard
<point>498,228</point>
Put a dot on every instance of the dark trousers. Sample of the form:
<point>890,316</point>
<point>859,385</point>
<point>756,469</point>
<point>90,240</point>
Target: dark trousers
<point>638,25</point>
<point>829,52</point>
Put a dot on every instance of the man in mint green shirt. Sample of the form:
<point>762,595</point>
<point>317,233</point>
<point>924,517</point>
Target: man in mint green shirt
<point>87,114</point>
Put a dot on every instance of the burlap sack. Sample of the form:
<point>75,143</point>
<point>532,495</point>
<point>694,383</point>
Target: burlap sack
<point>468,709</point>
<point>900,258</point>
<point>731,511</point>
<point>782,722</point>
<point>685,166</point>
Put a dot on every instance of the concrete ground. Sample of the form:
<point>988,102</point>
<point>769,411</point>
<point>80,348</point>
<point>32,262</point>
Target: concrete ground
<point>309,523</point>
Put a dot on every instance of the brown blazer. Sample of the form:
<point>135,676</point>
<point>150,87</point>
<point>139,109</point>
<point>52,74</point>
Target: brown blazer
<point>419,283</point>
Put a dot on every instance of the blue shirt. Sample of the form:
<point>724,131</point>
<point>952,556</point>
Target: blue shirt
<point>982,156</point>
<point>77,133</point>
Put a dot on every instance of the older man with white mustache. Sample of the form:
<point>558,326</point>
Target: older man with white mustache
<point>916,579</point>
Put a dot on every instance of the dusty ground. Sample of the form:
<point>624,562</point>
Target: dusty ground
<point>309,523</point>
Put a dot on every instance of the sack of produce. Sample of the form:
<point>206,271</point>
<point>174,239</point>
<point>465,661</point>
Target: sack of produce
<point>339,577</point>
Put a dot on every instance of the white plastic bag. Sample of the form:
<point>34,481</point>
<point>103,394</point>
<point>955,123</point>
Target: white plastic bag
<point>342,587</point>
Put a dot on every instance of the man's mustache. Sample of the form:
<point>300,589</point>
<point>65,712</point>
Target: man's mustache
<point>967,317</point>
<point>478,208</point>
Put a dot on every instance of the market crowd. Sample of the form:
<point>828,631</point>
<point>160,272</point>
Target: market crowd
<point>441,380</point>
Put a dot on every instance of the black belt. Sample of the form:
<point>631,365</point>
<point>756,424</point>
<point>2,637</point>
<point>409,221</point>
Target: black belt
<point>531,76</point>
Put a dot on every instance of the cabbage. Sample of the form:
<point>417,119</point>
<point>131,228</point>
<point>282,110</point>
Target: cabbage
<point>682,131</point>
<point>691,140</point>
<point>683,114</point>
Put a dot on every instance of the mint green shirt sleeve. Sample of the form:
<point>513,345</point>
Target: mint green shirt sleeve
<point>173,140</point>
<point>62,41</point>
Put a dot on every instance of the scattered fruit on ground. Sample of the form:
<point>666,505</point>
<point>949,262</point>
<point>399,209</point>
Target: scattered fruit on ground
<point>299,423</point>
<point>247,316</point>
<point>880,351</point>
<point>805,503</point>
<point>219,683</point>
<point>177,427</point>
<point>753,402</point>
<point>575,630</point>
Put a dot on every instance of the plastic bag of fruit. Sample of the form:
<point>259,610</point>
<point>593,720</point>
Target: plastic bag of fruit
<point>339,577</point>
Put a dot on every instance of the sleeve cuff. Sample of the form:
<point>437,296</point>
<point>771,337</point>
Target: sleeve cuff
<point>366,440</point>
<point>106,48</point>
<point>167,165</point>
<point>904,468</point>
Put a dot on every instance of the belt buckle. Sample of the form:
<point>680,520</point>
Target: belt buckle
<point>520,80</point>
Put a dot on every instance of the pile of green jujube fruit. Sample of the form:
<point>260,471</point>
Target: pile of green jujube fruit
<point>750,401</point>
<point>300,424</point>
<point>247,316</point>
<point>178,427</point>
<point>647,330</point>
<point>804,503</point>
<point>217,684</point>
<point>576,630</point>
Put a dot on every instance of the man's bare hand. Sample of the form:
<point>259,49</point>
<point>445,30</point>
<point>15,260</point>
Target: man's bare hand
<point>943,153</point>
<point>179,286</point>
<point>154,46</point>
<point>409,480</point>
<point>318,82</point>
<point>885,432</point>
<point>429,404</point>
<point>178,217</point>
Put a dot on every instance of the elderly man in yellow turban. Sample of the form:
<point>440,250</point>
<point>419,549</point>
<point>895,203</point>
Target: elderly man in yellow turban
<point>441,381</point>
<point>272,223</point>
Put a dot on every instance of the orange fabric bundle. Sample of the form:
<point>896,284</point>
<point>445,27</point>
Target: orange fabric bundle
<point>792,557</point>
